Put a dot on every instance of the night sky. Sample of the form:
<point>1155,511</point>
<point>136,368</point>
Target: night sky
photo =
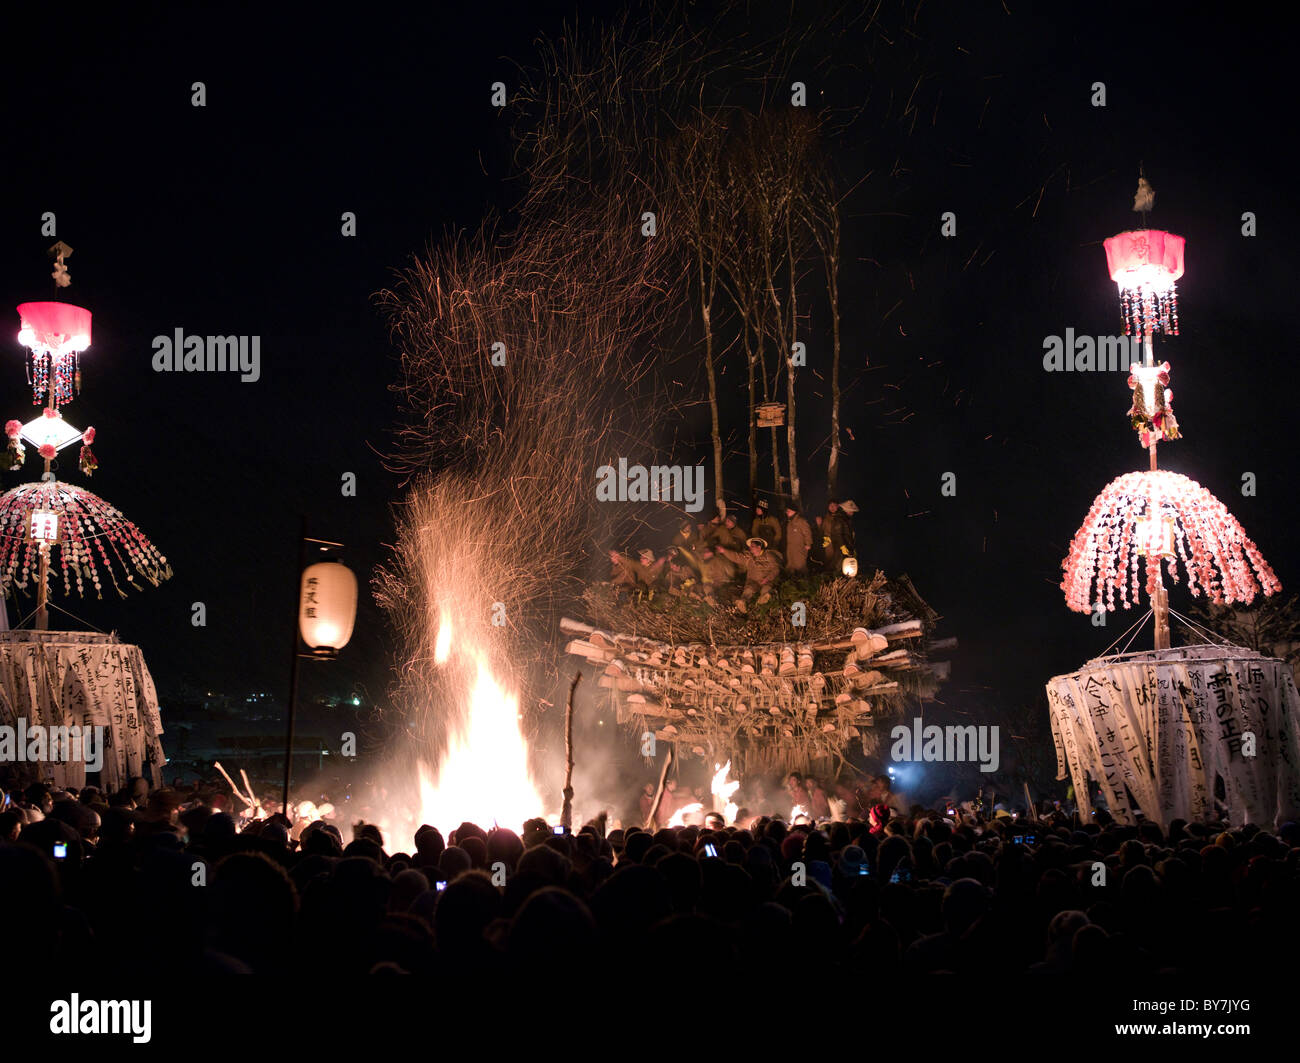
<point>226,220</point>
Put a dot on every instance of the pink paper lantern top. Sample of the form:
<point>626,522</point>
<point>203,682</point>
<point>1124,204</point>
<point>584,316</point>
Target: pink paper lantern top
<point>1145,258</point>
<point>58,327</point>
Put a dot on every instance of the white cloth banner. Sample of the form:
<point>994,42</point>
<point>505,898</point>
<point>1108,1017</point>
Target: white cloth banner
<point>65,679</point>
<point>1154,729</point>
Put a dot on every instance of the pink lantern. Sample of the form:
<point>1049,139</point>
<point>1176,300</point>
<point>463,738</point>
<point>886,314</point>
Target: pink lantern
<point>1145,263</point>
<point>55,327</point>
<point>55,334</point>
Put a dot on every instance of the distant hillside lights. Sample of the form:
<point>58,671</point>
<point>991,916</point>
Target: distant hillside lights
<point>1087,354</point>
<point>209,354</point>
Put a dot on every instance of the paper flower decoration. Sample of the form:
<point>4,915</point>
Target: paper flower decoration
<point>95,540</point>
<point>1132,517</point>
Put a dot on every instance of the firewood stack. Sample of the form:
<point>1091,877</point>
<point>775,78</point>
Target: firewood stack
<point>784,704</point>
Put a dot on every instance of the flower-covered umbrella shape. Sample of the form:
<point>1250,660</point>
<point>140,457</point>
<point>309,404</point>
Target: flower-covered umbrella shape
<point>89,537</point>
<point>1137,515</point>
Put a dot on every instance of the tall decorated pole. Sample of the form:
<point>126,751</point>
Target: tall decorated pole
<point>1161,517</point>
<point>1205,730</point>
<point>41,520</point>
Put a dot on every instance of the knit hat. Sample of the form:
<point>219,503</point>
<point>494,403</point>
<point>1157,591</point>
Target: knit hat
<point>851,860</point>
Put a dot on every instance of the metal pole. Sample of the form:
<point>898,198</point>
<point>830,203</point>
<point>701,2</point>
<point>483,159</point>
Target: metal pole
<point>293,673</point>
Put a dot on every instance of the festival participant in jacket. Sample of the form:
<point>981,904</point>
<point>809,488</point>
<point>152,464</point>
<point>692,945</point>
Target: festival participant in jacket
<point>715,570</point>
<point>683,572</point>
<point>765,526</point>
<point>687,538</point>
<point>728,534</point>
<point>650,571</point>
<point>762,569</point>
<point>715,567</point>
<point>819,806</point>
<point>798,541</point>
<point>647,800</point>
<point>837,536</point>
<point>622,570</point>
<point>796,791</point>
<point>709,532</point>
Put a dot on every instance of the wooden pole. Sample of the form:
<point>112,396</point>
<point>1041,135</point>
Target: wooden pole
<point>43,590</point>
<point>659,793</point>
<point>293,667</point>
<point>1160,610</point>
<point>1030,807</point>
<point>1160,600</point>
<point>566,811</point>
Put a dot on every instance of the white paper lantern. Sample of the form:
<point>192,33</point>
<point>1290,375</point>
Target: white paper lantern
<point>327,606</point>
<point>850,567</point>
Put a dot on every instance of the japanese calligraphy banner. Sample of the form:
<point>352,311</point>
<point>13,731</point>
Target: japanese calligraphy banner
<point>84,679</point>
<point>1155,729</point>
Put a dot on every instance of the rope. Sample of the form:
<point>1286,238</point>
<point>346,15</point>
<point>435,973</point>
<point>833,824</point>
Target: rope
<point>1136,623</point>
<point>1211,636</point>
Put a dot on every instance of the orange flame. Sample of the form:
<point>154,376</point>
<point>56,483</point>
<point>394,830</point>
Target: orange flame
<point>484,776</point>
<point>722,789</point>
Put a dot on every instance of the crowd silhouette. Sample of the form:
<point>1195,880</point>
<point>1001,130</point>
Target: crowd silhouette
<point>143,882</point>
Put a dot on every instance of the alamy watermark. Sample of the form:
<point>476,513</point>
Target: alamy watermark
<point>658,483</point>
<point>949,744</point>
<point>52,745</point>
<point>180,353</point>
<point>1091,354</point>
<point>77,1016</point>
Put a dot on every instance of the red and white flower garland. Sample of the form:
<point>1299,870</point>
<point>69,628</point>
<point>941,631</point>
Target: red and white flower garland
<point>87,526</point>
<point>1220,559</point>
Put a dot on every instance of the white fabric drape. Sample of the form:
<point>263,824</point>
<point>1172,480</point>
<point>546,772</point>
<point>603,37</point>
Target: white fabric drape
<point>1160,725</point>
<point>57,678</point>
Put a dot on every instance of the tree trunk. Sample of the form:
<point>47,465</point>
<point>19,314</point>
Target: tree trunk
<point>833,290</point>
<point>753,412</point>
<point>707,291</point>
<point>790,449</point>
<point>767,397</point>
<point>776,379</point>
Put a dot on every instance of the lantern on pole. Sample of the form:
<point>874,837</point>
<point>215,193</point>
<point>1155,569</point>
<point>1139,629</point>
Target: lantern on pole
<point>327,607</point>
<point>55,334</point>
<point>1145,264</point>
<point>1154,536</point>
<point>327,611</point>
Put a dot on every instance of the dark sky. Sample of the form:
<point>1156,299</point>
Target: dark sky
<point>226,220</point>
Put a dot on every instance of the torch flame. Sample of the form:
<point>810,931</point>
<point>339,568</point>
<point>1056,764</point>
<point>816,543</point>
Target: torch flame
<point>722,789</point>
<point>678,818</point>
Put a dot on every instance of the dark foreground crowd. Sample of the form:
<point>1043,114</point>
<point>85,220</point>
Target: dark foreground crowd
<point>139,888</point>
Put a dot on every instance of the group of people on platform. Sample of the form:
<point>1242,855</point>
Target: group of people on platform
<point>701,558</point>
